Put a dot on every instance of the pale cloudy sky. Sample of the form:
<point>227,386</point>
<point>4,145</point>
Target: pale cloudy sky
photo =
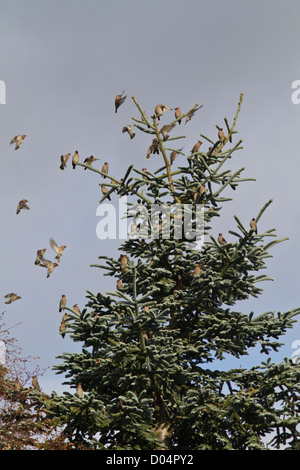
<point>63,62</point>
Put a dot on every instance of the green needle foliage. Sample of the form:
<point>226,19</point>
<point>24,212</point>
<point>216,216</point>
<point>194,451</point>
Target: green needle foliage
<point>146,366</point>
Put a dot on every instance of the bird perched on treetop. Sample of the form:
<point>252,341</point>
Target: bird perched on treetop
<point>75,159</point>
<point>105,168</point>
<point>253,225</point>
<point>18,139</point>
<point>76,308</point>
<point>105,192</point>
<point>12,297</point>
<point>221,239</point>
<point>174,155</point>
<point>191,113</point>
<point>18,384</point>
<point>197,270</point>
<point>196,147</point>
<point>199,192</point>
<point>160,109</point>
<point>79,390</point>
<point>221,134</point>
<point>128,129</point>
<point>165,131</point>
<point>62,328</point>
<point>178,114</point>
<point>134,226</point>
<point>119,99</point>
<point>65,317</point>
<point>88,161</point>
<point>58,249</point>
<point>63,161</point>
<point>35,383</point>
<point>62,302</point>
<point>123,260</point>
<point>153,148</point>
<point>22,205</point>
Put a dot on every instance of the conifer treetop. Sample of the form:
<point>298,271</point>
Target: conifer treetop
<point>147,372</point>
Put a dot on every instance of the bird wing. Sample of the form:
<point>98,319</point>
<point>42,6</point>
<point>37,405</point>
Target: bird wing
<point>45,263</point>
<point>54,245</point>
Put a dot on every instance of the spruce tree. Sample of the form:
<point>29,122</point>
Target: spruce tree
<point>145,378</point>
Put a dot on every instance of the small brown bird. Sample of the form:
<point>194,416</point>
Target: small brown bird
<point>49,265</point>
<point>123,260</point>
<point>174,155</point>
<point>221,239</point>
<point>253,225</point>
<point>76,308</point>
<point>196,147</point>
<point>40,255</point>
<point>165,131</point>
<point>22,205</point>
<point>18,385</point>
<point>213,208</point>
<point>199,192</point>
<point>65,318</point>
<point>35,383</point>
<point>154,148</point>
<point>119,284</point>
<point>221,134</point>
<point>79,390</point>
<point>119,99</point>
<point>62,303</point>
<point>75,159</point>
<point>128,129</point>
<point>62,328</point>
<point>134,226</point>
<point>211,153</point>
<point>105,168</point>
<point>88,161</point>
<point>145,176</point>
<point>105,191</point>
<point>191,113</point>
<point>58,249</point>
<point>198,269</point>
<point>178,114</point>
<point>63,161</point>
<point>18,139</point>
<point>160,109</point>
<point>12,297</point>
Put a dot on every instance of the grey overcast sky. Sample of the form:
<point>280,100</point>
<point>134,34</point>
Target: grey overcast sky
<point>63,62</point>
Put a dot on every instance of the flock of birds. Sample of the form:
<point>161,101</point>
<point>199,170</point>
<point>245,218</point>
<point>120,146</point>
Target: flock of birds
<point>40,260</point>
<point>160,109</point>
<point>40,254</point>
